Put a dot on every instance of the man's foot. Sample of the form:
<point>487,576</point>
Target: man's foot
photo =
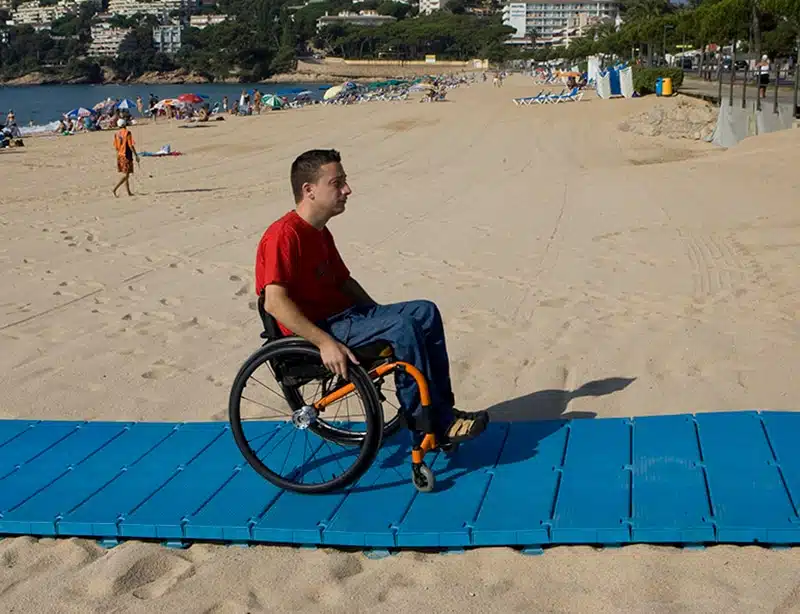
<point>465,425</point>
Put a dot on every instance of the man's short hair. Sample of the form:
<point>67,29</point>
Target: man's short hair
<point>305,168</point>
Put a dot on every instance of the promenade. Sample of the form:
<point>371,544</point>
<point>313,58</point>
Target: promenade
<point>709,90</point>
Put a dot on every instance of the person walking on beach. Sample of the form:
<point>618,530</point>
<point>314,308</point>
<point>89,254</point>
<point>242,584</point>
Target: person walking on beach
<point>126,150</point>
<point>763,76</point>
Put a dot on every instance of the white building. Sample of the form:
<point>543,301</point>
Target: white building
<point>167,39</point>
<point>426,7</point>
<point>555,21</point>
<point>108,41</point>
<point>201,21</point>
<point>33,13</point>
<point>362,18</point>
<point>128,8</point>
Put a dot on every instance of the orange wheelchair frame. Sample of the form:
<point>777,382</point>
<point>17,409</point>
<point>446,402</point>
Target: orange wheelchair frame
<point>294,362</point>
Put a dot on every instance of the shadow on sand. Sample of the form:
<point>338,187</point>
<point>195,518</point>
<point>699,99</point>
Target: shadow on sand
<point>552,404</point>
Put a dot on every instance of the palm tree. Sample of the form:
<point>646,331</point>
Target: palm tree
<point>533,35</point>
<point>646,14</point>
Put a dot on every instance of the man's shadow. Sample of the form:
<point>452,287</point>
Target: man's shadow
<point>552,404</point>
<point>516,429</point>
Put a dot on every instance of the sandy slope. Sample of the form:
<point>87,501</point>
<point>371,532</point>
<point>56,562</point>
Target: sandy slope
<point>561,251</point>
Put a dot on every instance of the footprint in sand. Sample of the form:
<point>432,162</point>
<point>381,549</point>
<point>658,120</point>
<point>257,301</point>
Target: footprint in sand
<point>228,607</point>
<point>145,575</point>
<point>160,370</point>
<point>216,381</point>
<point>165,316</point>
<point>235,278</point>
<point>170,301</point>
<point>245,289</point>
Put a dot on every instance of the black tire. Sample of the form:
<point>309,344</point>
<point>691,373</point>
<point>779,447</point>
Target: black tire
<point>369,440</point>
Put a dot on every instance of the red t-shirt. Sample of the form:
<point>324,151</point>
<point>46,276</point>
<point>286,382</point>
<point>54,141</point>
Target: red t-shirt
<point>305,260</point>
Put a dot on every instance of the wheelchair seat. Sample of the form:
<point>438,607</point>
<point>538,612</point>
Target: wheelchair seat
<point>369,355</point>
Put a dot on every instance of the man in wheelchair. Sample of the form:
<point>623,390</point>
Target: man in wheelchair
<point>308,289</point>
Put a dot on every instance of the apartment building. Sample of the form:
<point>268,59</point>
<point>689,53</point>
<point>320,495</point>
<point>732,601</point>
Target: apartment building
<point>426,7</point>
<point>129,8</point>
<point>108,41</point>
<point>33,13</point>
<point>555,21</point>
<point>362,18</point>
<point>202,21</point>
<point>167,38</point>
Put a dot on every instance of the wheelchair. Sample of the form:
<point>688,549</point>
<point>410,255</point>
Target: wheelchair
<point>297,434</point>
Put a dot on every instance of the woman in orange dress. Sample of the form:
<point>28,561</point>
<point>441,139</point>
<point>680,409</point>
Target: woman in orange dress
<point>126,151</point>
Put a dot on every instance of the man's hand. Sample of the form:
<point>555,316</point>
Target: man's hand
<point>335,356</point>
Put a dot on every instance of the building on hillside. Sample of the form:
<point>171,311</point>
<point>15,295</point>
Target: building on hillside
<point>426,7</point>
<point>6,5</point>
<point>160,8</point>
<point>167,38</point>
<point>362,18</point>
<point>555,22</point>
<point>108,41</point>
<point>202,21</point>
<point>32,13</point>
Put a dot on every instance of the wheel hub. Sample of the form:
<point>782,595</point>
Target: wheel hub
<point>304,417</point>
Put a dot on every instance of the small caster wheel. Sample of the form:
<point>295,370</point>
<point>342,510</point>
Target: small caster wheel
<point>423,479</point>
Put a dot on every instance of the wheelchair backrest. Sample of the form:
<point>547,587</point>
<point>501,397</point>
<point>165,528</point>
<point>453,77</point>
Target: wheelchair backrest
<point>271,328</point>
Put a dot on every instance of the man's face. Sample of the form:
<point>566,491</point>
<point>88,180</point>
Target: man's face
<point>330,192</point>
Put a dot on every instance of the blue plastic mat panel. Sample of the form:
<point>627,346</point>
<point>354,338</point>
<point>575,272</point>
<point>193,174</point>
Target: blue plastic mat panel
<point>730,477</point>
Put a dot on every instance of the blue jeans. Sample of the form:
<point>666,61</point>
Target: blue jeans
<point>415,331</point>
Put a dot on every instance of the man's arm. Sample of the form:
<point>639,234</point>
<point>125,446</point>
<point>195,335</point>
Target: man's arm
<point>334,354</point>
<point>278,304</point>
<point>354,290</point>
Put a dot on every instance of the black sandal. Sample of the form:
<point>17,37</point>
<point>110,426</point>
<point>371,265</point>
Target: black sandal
<point>465,426</point>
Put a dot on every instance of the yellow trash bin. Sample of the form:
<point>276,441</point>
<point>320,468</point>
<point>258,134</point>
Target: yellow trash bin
<point>666,86</point>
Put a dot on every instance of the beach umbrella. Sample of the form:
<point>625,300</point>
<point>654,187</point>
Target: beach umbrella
<point>190,98</point>
<point>126,103</point>
<point>103,104</point>
<point>80,112</point>
<point>271,100</point>
<point>168,102</point>
<point>333,92</point>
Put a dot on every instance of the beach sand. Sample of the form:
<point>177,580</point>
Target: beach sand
<point>560,250</point>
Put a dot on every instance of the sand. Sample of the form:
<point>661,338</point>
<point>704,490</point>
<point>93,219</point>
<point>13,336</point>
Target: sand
<point>560,250</point>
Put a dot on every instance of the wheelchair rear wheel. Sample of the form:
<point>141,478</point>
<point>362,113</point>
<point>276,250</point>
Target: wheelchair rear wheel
<point>286,436</point>
<point>330,428</point>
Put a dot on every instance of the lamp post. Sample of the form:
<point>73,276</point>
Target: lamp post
<point>664,40</point>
